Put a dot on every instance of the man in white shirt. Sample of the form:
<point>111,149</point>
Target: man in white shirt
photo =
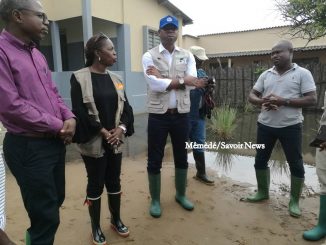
<point>170,73</point>
<point>282,92</point>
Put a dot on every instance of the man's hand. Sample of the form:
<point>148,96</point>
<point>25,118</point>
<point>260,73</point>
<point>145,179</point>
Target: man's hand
<point>68,130</point>
<point>200,83</point>
<point>322,146</point>
<point>268,106</point>
<point>275,100</point>
<point>272,102</point>
<point>152,70</point>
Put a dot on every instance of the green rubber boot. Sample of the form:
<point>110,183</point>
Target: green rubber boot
<point>296,190</point>
<point>263,179</point>
<point>27,238</point>
<point>180,185</point>
<point>319,231</point>
<point>155,191</point>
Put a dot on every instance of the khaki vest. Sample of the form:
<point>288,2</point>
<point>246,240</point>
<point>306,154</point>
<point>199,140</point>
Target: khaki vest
<point>158,102</point>
<point>94,147</point>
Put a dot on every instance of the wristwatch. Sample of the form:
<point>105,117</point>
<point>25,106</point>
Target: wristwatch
<point>182,83</point>
<point>287,102</point>
<point>123,127</point>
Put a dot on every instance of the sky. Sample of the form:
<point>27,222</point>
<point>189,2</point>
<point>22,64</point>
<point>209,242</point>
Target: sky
<point>216,16</point>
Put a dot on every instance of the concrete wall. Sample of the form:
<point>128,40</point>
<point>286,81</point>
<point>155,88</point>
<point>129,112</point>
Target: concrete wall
<point>134,13</point>
<point>74,48</point>
<point>62,80</point>
<point>253,40</point>
<point>265,60</point>
<point>59,10</point>
<point>138,14</point>
<point>136,91</point>
<point>109,10</point>
<point>188,41</point>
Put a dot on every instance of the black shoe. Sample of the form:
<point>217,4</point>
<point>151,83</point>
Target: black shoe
<point>116,223</point>
<point>120,228</point>
<point>98,237</point>
<point>203,178</point>
<point>94,208</point>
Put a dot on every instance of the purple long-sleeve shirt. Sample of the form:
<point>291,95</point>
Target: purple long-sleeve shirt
<point>29,100</point>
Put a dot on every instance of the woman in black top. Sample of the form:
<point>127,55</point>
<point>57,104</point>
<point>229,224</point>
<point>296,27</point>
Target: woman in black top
<point>108,122</point>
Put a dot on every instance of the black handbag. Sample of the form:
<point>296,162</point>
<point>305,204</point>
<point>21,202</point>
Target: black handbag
<point>84,132</point>
<point>130,114</point>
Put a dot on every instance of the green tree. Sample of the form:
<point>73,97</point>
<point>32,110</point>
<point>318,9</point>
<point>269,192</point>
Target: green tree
<point>307,17</point>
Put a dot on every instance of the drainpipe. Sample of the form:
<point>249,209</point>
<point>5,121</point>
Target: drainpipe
<point>87,20</point>
<point>56,47</point>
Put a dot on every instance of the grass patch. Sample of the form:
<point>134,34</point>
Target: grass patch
<point>248,107</point>
<point>223,121</point>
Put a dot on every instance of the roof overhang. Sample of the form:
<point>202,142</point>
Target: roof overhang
<point>186,20</point>
<point>262,52</point>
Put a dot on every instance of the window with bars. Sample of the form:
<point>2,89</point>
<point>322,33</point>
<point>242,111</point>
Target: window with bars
<point>153,39</point>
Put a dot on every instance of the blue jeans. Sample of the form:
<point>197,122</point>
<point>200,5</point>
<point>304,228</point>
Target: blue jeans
<point>197,132</point>
<point>291,141</point>
<point>159,126</point>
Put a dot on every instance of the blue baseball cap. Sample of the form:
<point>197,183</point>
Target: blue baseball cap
<point>169,20</point>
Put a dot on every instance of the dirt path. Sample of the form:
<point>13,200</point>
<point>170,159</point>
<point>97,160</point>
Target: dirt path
<point>219,217</point>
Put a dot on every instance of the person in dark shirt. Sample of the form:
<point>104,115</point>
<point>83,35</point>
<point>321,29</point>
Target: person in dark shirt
<point>104,116</point>
<point>197,115</point>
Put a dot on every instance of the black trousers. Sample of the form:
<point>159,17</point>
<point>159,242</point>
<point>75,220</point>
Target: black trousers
<point>103,171</point>
<point>39,168</point>
<point>291,141</point>
<point>159,127</point>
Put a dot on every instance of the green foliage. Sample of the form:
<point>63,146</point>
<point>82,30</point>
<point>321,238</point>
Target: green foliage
<point>223,121</point>
<point>259,70</point>
<point>248,107</point>
<point>307,17</point>
<point>224,159</point>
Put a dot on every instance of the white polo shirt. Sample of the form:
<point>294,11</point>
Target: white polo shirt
<point>290,85</point>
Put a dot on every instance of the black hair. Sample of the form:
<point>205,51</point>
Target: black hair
<point>7,6</point>
<point>93,44</point>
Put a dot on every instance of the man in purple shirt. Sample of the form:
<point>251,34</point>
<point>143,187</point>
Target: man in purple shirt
<point>38,123</point>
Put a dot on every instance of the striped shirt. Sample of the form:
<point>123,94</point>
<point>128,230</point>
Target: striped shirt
<point>2,191</point>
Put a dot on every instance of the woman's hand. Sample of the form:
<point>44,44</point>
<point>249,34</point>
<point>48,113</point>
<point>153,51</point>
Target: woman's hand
<point>113,136</point>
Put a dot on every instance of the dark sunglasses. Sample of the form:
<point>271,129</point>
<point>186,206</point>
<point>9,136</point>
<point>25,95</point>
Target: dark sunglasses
<point>40,15</point>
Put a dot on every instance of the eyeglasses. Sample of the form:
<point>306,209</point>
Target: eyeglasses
<point>40,15</point>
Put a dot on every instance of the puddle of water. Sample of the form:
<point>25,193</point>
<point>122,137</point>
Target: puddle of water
<point>239,164</point>
<point>241,169</point>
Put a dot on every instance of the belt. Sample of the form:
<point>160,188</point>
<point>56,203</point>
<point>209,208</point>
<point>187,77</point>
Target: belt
<point>38,135</point>
<point>172,111</point>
